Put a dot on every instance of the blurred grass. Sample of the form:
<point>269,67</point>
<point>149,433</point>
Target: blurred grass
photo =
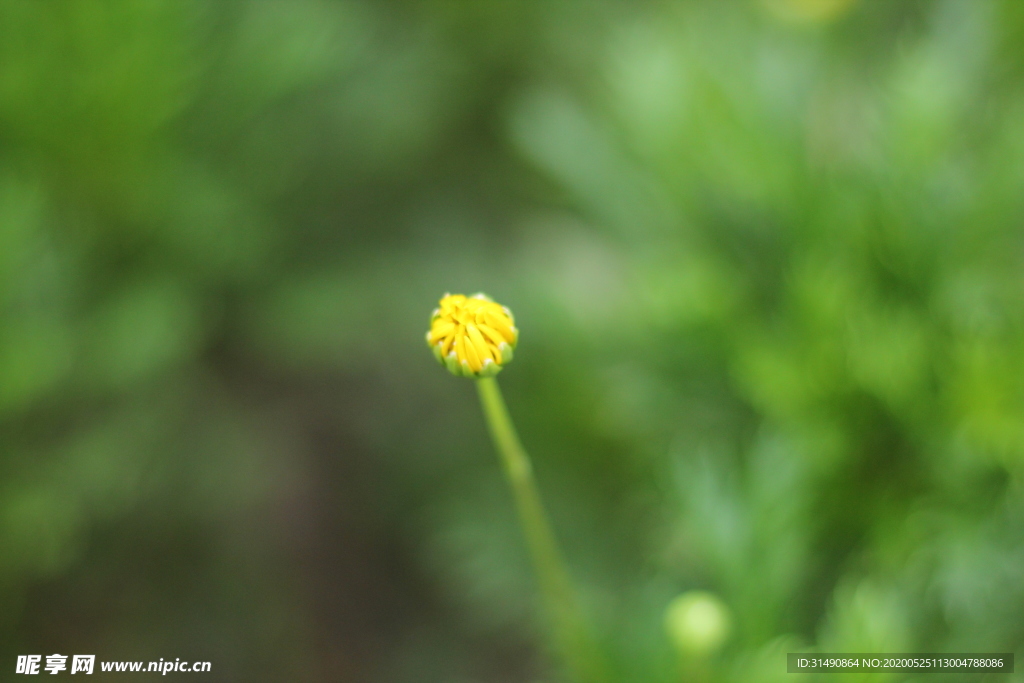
<point>766,258</point>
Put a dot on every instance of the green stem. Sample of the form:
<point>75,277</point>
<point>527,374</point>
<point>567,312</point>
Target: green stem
<point>574,641</point>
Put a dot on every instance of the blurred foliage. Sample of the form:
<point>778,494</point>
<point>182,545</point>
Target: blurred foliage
<point>766,257</point>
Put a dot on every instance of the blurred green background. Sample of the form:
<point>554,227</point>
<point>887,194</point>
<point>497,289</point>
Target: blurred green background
<point>767,258</point>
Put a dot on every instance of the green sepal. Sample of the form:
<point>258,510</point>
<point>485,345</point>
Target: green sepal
<point>452,363</point>
<point>490,369</point>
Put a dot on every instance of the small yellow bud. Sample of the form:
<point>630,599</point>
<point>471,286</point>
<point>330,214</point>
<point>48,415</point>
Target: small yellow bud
<point>697,622</point>
<point>471,335</point>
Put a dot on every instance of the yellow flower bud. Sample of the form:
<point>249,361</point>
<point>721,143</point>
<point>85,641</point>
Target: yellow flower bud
<point>471,335</point>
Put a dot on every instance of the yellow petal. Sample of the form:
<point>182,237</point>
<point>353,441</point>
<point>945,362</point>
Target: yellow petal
<point>441,329</point>
<point>502,326</point>
<point>479,343</point>
<point>491,334</point>
<point>459,346</point>
<point>448,341</point>
<point>475,362</point>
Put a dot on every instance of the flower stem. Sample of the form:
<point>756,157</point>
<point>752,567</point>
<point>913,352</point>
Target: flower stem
<point>572,636</point>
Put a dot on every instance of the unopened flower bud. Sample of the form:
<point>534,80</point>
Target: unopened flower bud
<point>472,336</point>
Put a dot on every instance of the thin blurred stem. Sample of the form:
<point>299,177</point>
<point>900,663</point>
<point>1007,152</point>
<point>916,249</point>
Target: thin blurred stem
<point>575,643</point>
